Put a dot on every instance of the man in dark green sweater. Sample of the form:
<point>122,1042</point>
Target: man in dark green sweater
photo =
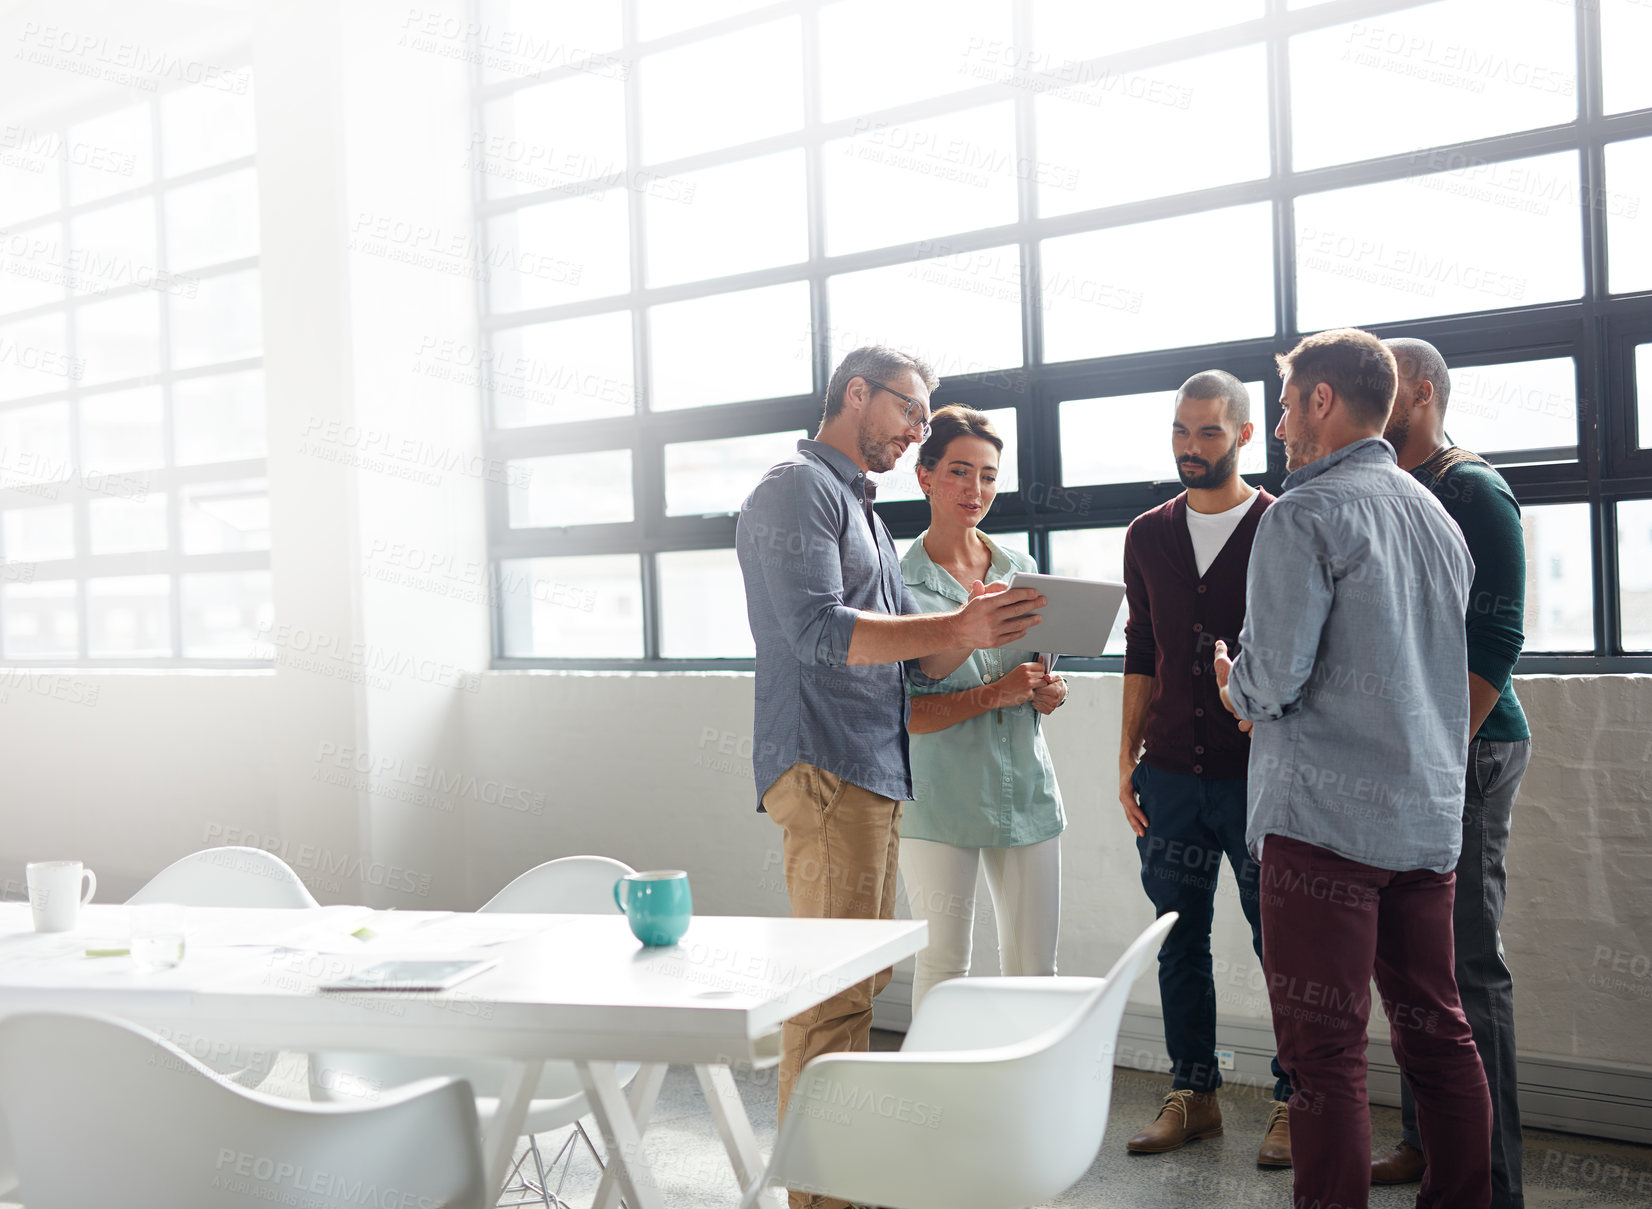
<point>1479,500</point>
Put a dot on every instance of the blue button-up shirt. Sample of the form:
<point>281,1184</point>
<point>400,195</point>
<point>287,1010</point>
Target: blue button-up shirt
<point>1354,666</point>
<point>814,556</point>
<point>985,782</point>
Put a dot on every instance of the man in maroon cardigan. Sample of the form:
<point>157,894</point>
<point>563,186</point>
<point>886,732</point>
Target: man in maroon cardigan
<point>1184,796</point>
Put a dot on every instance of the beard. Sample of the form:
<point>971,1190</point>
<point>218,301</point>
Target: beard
<point>879,456</point>
<point>1208,477</point>
<point>1398,430</point>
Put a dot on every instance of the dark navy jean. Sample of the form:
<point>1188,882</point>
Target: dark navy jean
<point>1192,823</point>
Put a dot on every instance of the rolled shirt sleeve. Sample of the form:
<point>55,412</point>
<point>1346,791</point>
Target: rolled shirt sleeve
<point>1287,601</point>
<point>795,538</point>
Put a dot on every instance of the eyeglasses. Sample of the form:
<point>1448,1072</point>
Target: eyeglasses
<point>917,412</point>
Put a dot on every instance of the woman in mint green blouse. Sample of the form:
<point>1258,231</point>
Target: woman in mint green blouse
<point>984,792</point>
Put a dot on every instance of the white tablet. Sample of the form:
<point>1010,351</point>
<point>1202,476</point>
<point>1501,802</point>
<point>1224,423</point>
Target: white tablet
<point>1078,618</point>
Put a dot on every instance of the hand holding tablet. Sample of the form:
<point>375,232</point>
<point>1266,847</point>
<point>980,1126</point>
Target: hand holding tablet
<point>997,615</point>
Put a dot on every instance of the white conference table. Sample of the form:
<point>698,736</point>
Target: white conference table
<point>573,987</point>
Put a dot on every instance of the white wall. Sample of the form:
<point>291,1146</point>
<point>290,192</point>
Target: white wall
<point>653,769</point>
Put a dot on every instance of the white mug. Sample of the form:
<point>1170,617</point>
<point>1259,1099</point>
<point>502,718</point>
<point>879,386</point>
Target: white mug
<point>54,893</point>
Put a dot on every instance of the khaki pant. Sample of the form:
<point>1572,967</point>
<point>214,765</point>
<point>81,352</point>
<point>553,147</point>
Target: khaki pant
<point>840,850</point>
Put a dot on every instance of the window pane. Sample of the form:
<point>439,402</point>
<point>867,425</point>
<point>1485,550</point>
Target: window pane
<point>703,478</point>
<point>1559,578</point>
<point>1527,405</point>
<point>703,606</point>
<point>960,312</point>
<point>901,481</point>
<point>122,430</point>
<point>212,221</point>
<point>572,489</point>
<point>556,373</point>
<point>113,247</point>
<point>119,338</point>
<point>1093,554</point>
<point>126,617</point>
<point>728,219</point>
<point>1126,438</point>
<point>868,61</point>
<point>1643,393</point>
<point>127,525</point>
<point>39,534</point>
<point>561,251</point>
<point>727,348</point>
<point>1129,289</point>
<point>202,126</point>
<point>1012,541</point>
<point>526,37</point>
<point>1635,573</point>
<point>1625,33</point>
<point>572,608</point>
<point>1066,32</point>
<point>34,444</point>
<point>34,357</point>
<point>1437,74</point>
<point>1629,215</point>
<point>29,180</point>
<point>657,18</point>
<point>123,138</point>
<point>222,321</point>
<point>556,134</point>
<point>1168,129</point>
<point>219,419</point>
<point>222,518</point>
<point>41,620</point>
<point>1469,240</point>
<point>893,183</point>
<point>721,91</point>
<point>32,268</point>
<point>223,613</point>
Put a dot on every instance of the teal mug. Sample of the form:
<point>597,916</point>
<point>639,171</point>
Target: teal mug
<point>657,904</point>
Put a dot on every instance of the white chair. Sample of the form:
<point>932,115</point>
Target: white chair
<point>997,1100</point>
<point>227,877</point>
<point>572,885</point>
<point>169,1134</point>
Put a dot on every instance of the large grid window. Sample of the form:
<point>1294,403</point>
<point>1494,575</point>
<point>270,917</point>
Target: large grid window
<point>134,505</point>
<point>1066,214</point>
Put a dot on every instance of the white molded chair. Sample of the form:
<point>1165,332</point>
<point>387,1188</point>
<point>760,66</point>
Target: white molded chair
<point>169,1134</point>
<point>227,877</point>
<point>571,885</point>
<point>997,1100</point>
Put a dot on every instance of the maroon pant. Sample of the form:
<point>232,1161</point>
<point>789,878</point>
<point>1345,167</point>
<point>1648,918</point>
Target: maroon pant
<point>1328,924</point>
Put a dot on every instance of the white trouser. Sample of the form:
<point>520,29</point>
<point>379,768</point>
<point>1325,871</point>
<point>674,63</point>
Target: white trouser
<point>1025,884</point>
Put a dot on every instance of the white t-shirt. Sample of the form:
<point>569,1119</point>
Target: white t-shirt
<point>1210,531</point>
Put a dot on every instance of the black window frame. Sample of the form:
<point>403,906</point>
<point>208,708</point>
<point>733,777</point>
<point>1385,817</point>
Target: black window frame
<point>1599,331</point>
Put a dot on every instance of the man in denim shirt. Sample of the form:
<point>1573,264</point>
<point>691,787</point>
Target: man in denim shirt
<point>1354,676</point>
<point>837,635</point>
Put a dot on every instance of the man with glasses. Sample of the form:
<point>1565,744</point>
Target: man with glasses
<point>838,636</point>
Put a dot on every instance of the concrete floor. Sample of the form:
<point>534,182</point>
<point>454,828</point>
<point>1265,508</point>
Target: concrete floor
<point>1562,1171</point>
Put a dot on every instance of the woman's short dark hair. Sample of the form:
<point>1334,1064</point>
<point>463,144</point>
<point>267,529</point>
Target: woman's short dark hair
<point>947,425</point>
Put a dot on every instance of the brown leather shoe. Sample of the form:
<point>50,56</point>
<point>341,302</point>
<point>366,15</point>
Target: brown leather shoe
<point>1404,1164</point>
<point>1186,1115</point>
<point>1276,1139</point>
